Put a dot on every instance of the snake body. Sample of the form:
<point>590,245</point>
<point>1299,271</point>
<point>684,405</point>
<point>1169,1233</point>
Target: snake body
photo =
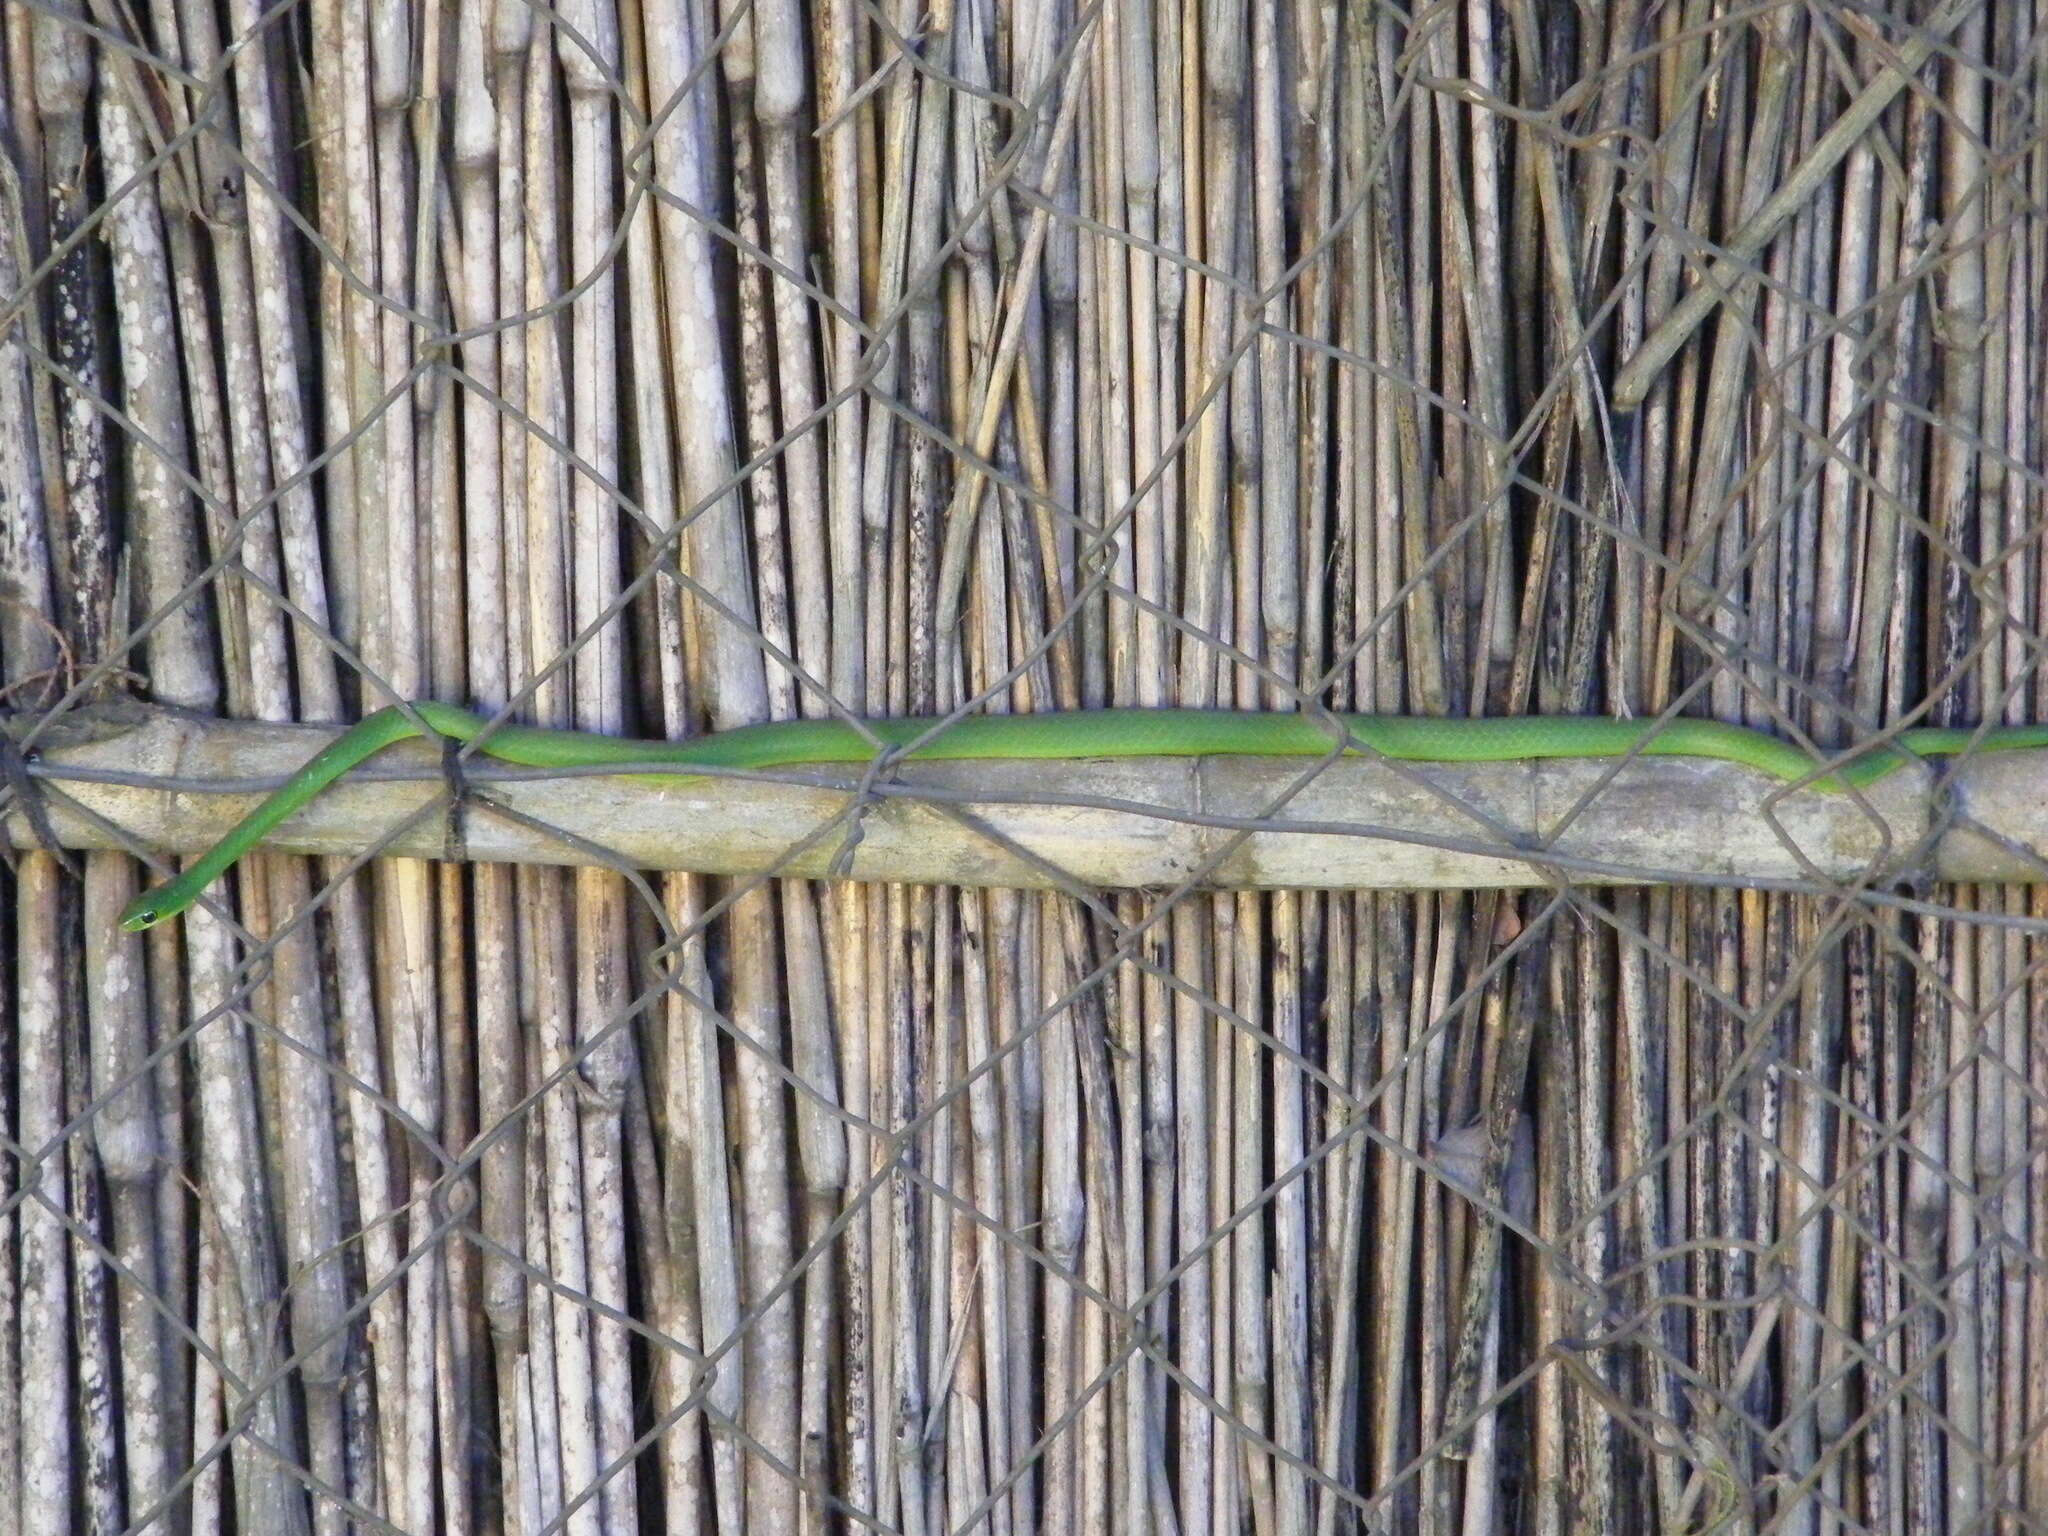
<point>1086,734</point>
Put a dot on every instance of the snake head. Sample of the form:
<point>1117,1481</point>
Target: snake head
<point>140,915</point>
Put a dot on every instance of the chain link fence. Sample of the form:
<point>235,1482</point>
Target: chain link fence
<point>666,368</point>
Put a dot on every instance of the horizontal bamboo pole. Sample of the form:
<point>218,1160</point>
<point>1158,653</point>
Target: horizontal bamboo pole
<point>1229,823</point>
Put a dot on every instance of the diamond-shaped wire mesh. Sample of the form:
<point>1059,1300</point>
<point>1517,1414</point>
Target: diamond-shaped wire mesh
<point>661,369</point>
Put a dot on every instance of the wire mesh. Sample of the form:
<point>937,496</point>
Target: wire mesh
<point>666,368</point>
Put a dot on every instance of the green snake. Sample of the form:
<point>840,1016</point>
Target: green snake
<point>1086,734</point>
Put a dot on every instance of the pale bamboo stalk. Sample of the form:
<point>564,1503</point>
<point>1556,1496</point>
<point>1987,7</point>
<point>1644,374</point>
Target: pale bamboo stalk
<point>1110,630</point>
<point>1408,672</point>
<point>779,99</point>
<point>24,190</point>
<point>335,114</point>
<point>1220,48</point>
<point>835,44</point>
<point>773,1336</point>
<point>2024,259</point>
<point>506,1070</point>
<point>1017,966</point>
<point>1403,506</point>
<point>730,674</point>
<point>387,527</point>
<point>500,1057</point>
<point>982,1303</point>
<point>395,654</point>
<point>1966,1296</point>
<point>608,1068</point>
<point>1189,1196</point>
<point>1680,57</point>
<point>206,1506</point>
<point>733,690</point>
<point>1812,1357</point>
<point>1594,987</point>
<point>1293,1269</point>
<point>1922,1208</point>
<point>233,1174</point>
<point>1160,1018</point>
<point>1138,1022</point>
<point>1847,402</point>
<point>1437,1234</point>
<point>45,1390</point>
<point>1342,1433</point>
<point>1250,1393</point>
<point>954,1423</point>
<point>1063,1223</point>
<point>270,274</point>
<point>1061,1209</point>
<point>883,532</point>
<point>1229,1507</point>
<point>475,291</point>
<point>569,1409</point>
<point>703,1294</point>
<point>591,65</point>
<point>914,191</point>
<point>1870,1066</point>
<point>771,541</point>
<point>1212,150</point>
<point>124,1130</point>
<point>1108,1514</point>
<point>309,1180</point>
<point>507,46</point>
<point>1405,1000</point>
<point>1956,386</point>
<point>1473,298</point>
<point>371,1155</point>
<point>1279,1318</point>
<point>870,1435</point>
<point>911,919</point>
<point>150,396</point>
<point>203,397</point>
<point>544,1465</point>
<point>697,1122</point>
<point>457,1335</point>
<point>1557,1201</point>
<point>452,1385</point>
<point>987,1288</point>
<point>884,981</point>
<point>523,1492</point>
<point>934,1011</point>
<point>1967,384</point>
<point>1896,239</point>
<point>767,1238</point>
<point>927,194</point>
<point>1075,303</point>
<point>402,921</point>
<point>847,973</point>
<point>1063,1233</point>
<point>822,1160</point>
<point>63,68</point>
<point>572,1408</point>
